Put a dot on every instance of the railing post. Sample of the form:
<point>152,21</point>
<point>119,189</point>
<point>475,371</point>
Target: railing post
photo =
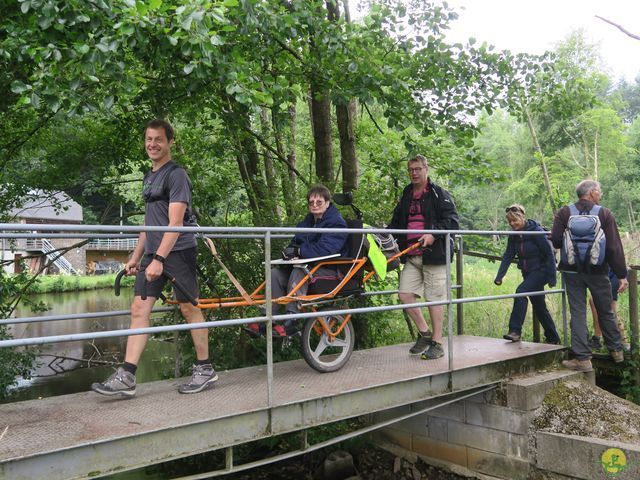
<point>460,282</point>
<point>449,304</point>
<point>565,333</point>
<point>536,326</point>
<point>633,309</point>
<point>269,308</point>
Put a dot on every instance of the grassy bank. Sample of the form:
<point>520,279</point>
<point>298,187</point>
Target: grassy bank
<point>74,283</point>
<point>491,318</point>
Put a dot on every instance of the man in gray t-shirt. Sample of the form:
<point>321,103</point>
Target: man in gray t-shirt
<point>169,183</point>
<point>158,255</point>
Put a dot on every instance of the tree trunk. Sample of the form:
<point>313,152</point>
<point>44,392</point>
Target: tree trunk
<point>320,106</point>
<point>239,123</point>
<point>290,190</point>
<point>321,121</point>
<point>244,175</point>
<point>595,157</point>
<point>543,164</point>
<point>271,200</point>
<point>285,137</point>
<point>345,113</point>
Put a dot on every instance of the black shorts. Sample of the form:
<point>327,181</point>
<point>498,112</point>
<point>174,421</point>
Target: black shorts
<point>181,265</point>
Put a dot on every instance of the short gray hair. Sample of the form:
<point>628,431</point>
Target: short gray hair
<point>585,186</point>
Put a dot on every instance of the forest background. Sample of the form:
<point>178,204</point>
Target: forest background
<point>270,97</point>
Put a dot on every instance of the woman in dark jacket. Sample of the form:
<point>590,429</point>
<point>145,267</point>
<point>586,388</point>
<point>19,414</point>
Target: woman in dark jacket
<point>537,263</point>
<point>322,214</point>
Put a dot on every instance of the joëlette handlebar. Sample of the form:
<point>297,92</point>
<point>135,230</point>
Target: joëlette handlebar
<point>116,285</point>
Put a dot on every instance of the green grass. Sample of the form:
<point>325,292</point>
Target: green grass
<point>488,318</point>
<point>73,283</point>
<point>491,318</point>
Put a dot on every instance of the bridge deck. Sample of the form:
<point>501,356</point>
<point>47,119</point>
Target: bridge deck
<point>72,436</point>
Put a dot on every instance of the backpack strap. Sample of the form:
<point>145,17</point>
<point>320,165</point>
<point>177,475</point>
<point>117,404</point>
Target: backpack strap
<point>595,210</point>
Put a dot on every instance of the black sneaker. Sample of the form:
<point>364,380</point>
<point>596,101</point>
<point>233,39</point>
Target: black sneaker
<point>595,343</point>
<point>434,351</point>
<point>202,377</point>
<point>512,336</point>
<point>422,343</point>
<point>120,383</point>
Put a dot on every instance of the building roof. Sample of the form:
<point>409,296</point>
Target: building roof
<point>55,206</point>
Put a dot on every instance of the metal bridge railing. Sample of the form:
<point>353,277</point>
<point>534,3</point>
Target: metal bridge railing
<point>112,244</point>
<point>267,234</point>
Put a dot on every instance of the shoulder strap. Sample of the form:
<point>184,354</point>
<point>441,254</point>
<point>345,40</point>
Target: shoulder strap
<point>165,182</point>
<point>573,210</point>
<point>595,210</point>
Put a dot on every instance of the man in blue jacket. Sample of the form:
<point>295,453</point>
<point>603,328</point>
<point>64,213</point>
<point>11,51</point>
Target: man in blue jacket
<point>424,206</point>
<point>322,214</point>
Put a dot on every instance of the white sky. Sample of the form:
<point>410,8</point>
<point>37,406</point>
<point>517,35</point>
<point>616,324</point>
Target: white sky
<point>534,26</point>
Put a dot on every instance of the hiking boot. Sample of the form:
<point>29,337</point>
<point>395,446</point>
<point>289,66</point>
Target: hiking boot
<point>578,365</point>
<point>595,343</point>
<point>422,343</point>
<point>202,377</point>
<point>120,382</point>
<point>617,356</point>
<point>512,336</point>
<point>434,351</point>
<point>552,342</point>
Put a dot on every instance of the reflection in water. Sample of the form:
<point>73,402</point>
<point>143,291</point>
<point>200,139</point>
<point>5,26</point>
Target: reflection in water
<point>57,369</point>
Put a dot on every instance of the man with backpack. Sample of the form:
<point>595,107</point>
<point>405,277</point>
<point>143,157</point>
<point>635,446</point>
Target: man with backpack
<point>167,194</point>
<point>589,243</point>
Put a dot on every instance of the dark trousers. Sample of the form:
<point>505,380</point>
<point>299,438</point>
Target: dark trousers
<point>284,279</point>
<point>576,285</point>
<point>533,282</point>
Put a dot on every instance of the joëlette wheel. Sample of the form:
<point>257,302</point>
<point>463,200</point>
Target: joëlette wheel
<point>320,351</point>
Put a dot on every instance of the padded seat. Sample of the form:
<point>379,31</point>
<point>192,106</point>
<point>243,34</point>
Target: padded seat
<point>354,285</point>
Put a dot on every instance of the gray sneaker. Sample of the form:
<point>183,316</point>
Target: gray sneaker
<point>120,383</point>
<point>202,377</point>
<point>434,351</point>
<point>422,343</point>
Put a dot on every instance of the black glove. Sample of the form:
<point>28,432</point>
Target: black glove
<point>292,251</point>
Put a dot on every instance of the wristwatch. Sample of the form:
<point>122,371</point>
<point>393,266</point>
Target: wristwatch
<point>160,258</point>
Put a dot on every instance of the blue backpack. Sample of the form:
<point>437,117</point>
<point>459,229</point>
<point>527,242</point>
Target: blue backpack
<point>584,243</point>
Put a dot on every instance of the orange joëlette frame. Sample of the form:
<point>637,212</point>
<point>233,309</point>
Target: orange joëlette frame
<point>258,298</point>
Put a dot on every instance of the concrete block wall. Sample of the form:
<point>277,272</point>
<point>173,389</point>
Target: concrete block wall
<point>486,434</point>
<point>583,457</point>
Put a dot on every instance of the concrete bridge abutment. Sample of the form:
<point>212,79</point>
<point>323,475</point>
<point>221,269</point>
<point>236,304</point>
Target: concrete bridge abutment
<point>490,436</point>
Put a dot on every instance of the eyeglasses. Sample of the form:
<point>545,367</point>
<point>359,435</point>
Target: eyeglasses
<point>316,202</point>
<point>415,169</point>
<point>513,209</point>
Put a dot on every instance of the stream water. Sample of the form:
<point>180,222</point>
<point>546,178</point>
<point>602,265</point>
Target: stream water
<point>61,368</point>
